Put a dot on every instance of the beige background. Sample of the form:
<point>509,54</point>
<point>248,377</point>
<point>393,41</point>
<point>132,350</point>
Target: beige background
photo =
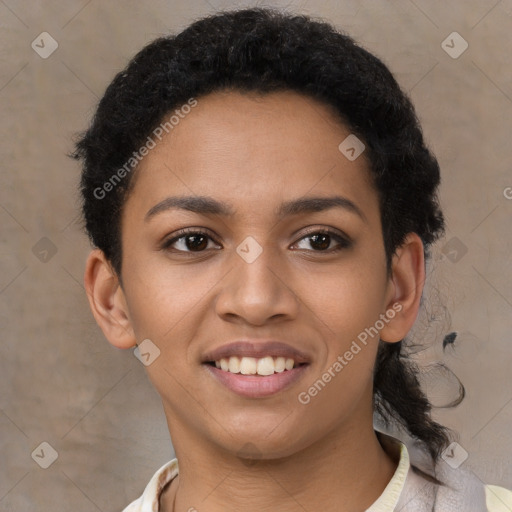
<point>62,383</point>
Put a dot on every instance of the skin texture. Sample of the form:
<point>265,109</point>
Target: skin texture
<point>254,152</point>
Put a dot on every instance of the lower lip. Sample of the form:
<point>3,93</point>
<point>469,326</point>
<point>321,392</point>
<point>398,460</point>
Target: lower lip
<point>255,386</point>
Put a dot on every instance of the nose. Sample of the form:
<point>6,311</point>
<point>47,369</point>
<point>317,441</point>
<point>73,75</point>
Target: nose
<point>257,293</point>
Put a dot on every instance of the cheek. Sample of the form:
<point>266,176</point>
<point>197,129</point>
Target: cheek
<point>349,304</point>
<point>162,297</point>
<point>348,298</point>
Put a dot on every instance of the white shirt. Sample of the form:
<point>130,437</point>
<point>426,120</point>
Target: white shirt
<point>407,491</point>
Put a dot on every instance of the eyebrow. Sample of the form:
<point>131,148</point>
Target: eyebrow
<point>210,206</point>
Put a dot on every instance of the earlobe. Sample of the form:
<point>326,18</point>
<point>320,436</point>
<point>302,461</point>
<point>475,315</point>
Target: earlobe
<point>107,301</point>
<point>406,288</point>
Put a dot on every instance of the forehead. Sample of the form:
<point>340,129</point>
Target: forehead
<point>254,147</point>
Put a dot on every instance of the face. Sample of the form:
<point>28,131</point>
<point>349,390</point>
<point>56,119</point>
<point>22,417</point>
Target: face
<point>257,270</point>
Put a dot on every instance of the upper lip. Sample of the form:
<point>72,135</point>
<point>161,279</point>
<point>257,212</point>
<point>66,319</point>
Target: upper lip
<point>257,349</point>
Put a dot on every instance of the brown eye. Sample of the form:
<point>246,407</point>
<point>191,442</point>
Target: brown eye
<point>321,240</point>
<point>188,241</point>
<point>196,242</point>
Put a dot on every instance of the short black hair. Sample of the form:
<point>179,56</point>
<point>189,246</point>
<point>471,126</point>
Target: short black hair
<point>266,50</point>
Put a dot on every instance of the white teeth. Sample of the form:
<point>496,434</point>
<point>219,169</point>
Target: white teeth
<point>251,366</point>
<point>248,366</point>
<point>279,364</point>
<point>234,364</point>
<point>266,366</point>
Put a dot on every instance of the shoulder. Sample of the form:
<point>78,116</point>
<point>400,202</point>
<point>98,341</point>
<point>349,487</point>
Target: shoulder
<point>149,500</point>
<point>460,489</point>
<point>498,499</point>
<point>134,506</point>
<point>449,489</point>
<point>425,491</point>
<point>468,491</point>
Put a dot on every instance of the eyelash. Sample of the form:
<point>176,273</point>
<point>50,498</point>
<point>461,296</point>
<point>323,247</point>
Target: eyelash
<point>343,242</point>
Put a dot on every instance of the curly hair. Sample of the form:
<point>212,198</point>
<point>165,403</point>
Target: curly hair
<point>265,50</point>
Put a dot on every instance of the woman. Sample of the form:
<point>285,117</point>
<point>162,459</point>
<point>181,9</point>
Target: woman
<point>262,202</point>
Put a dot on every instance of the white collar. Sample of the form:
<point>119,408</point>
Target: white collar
<point>387,501</point>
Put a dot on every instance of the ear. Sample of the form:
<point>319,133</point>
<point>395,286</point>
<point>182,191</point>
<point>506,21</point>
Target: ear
<point>405,289</point>
<point>107,300</point>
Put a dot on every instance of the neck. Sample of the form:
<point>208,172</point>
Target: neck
<point>346,471</point>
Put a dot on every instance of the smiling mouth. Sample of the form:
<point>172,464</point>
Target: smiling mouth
<point>263,366</point>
